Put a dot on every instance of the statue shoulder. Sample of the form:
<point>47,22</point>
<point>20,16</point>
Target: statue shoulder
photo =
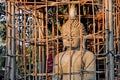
<point>59,54</point>
<point>88,54</point>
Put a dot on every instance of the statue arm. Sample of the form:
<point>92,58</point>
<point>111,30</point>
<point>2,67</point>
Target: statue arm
<point>89,66</point>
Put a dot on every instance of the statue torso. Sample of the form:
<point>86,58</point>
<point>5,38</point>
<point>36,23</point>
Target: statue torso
<point>70,61</point>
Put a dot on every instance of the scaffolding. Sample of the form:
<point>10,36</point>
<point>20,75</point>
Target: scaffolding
<point>34,36</point>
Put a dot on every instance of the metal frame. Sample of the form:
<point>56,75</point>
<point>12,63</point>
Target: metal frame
<point>30,45</point>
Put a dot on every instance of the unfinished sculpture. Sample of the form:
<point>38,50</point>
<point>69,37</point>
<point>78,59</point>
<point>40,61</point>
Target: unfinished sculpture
<point>74,63</point>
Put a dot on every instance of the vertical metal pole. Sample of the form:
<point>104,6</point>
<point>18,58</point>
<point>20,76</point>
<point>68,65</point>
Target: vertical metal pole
<point>40,47</point>
<point>57,44</point>
<point>111,42</point>
<point>118,20</point>
<point>43,47</point>
<point>94,36</point>
<point>35,46</point>
<point>107,38</point>
<point>12,71</point>
<point>24,38</point>
<point>46,30</point>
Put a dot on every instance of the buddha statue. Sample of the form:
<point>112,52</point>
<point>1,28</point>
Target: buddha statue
<point>75,62</point>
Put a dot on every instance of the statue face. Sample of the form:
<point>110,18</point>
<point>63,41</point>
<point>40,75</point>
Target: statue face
<point>71,37</point>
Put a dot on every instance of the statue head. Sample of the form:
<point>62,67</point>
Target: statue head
<point>71,31</point>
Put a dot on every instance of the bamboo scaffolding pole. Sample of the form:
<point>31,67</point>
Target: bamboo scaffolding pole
<point>101,38</point>
<point>7,63</point>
